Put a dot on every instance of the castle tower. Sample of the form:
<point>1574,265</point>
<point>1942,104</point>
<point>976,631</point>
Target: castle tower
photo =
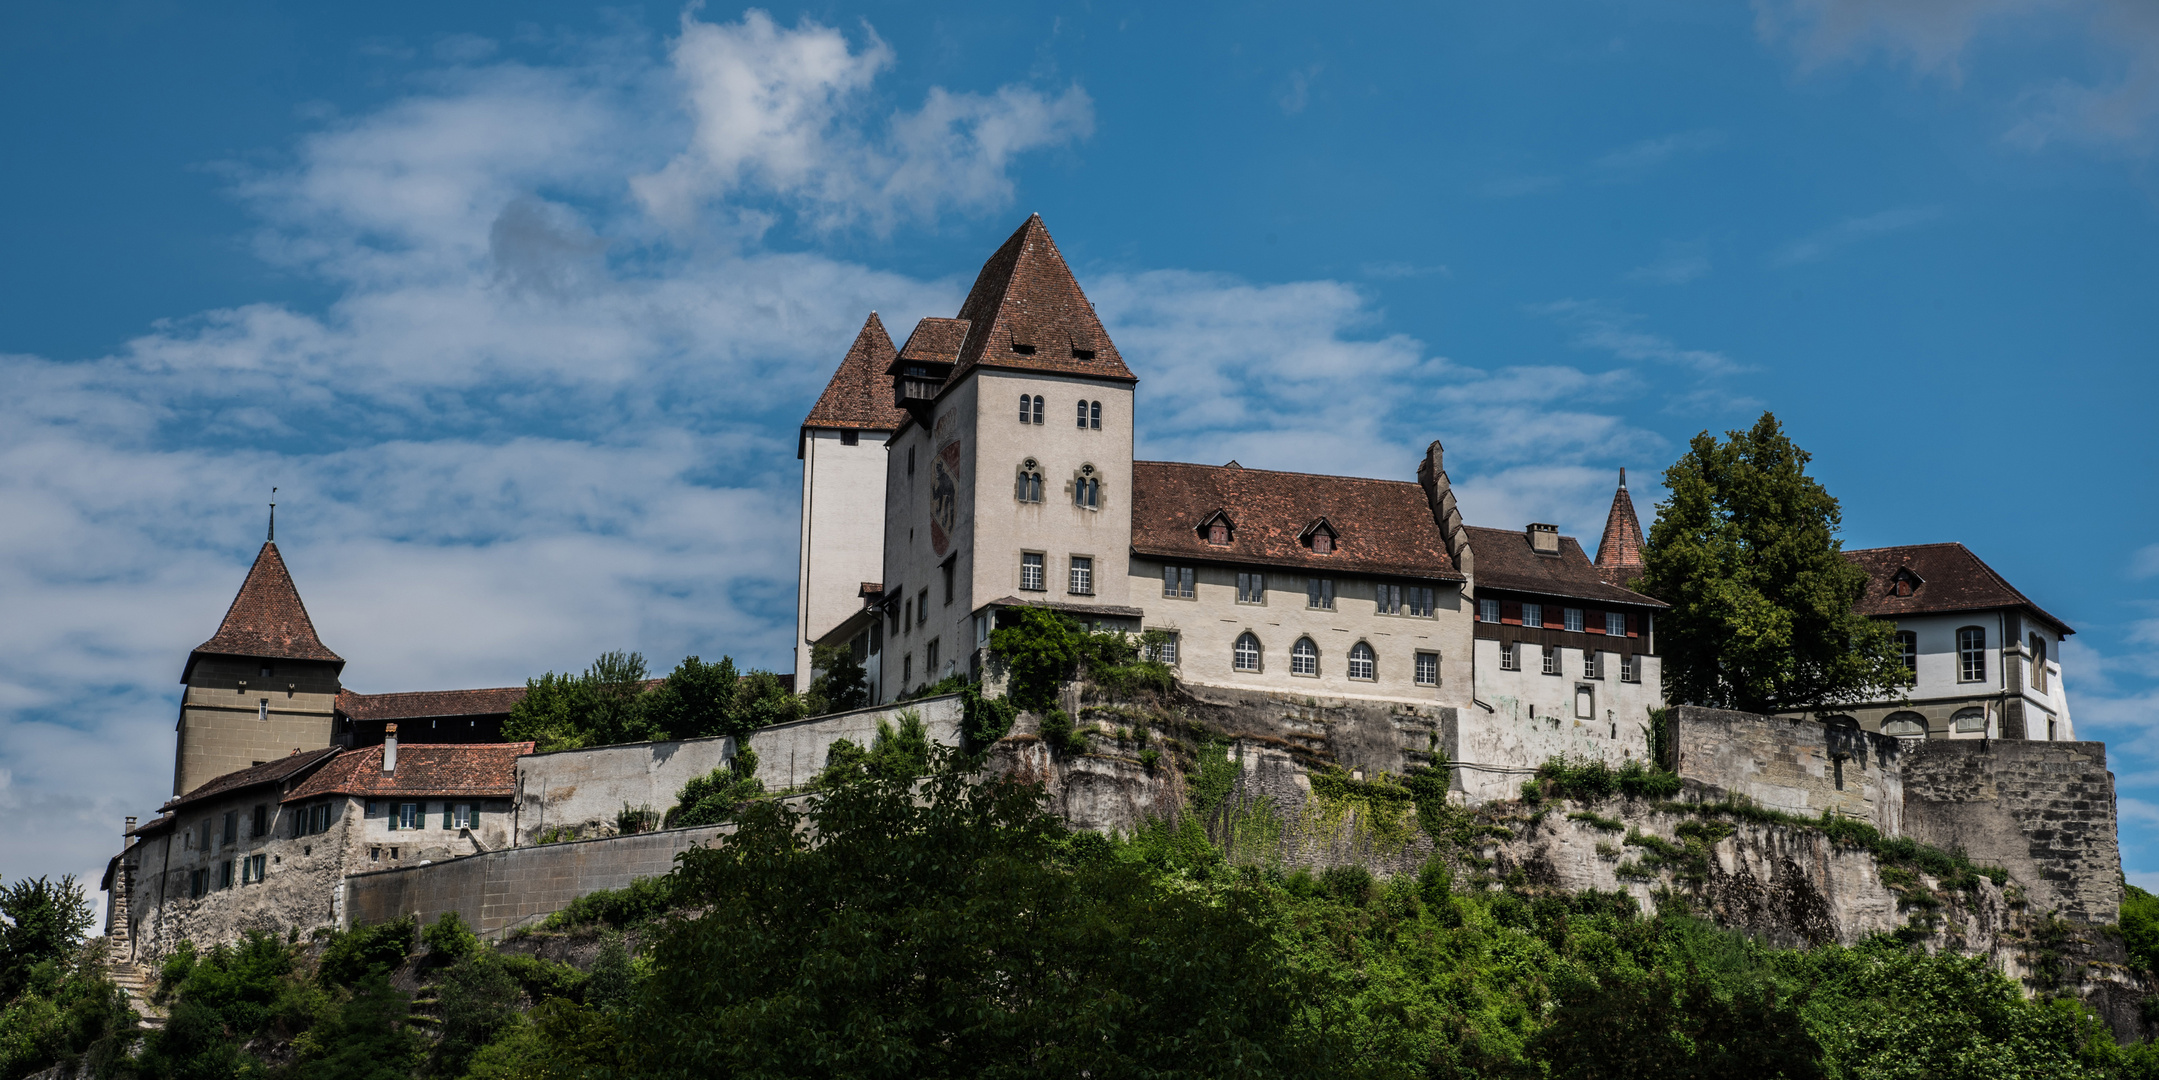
<point>1619,554</point>
<point>1010,480</point>
<point>842,450</point>
<point>261,687</point>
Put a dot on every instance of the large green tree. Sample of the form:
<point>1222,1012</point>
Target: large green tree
<point>40,920</point>
<point>1745,550</point>
<point>614,702</point>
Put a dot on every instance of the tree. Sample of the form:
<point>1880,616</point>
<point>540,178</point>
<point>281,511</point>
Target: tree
<point>1745,551</point>
<point>602,707</point>
<point>697,700</point>
<point>712,798</point>
<point>40,920</point>
<point>841,683</point>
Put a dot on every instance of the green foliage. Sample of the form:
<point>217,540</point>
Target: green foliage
<point>366,1039</point>
<point>698,700</point>
<point>1596,821</point>
<point>65,1012</point>
<point>478,999</point>
<point>641,901</point>
<point>763,701</point>
<point>714,797</point>
<point>841,683</point>
<point>2140,926</point>
<point>895,755</point>
<point>1745,551</point>
<point>225,998</point>
<point>449,939</point>
<point>41,921</point>
<point>1383,810</point>
<point>984,720</point>
<point>636,819</point>
<point>1590,780</point>
<point>354,955</point>
<point>610,704</point>
<point>612,982</point>
<point>1058,732</point>
<point>1040,651</point>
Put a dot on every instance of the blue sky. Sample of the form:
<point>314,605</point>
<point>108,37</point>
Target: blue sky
<point>519,304</point>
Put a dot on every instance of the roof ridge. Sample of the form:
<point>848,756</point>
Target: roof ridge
<point>851,398</point>
<point>1285,472</point>
<point>1027,294</point>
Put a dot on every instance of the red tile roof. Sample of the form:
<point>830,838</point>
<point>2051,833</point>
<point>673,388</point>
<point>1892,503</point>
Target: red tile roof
<point>476,770</point>
<point>1505,561</point>
<point>270,772</point>
<point>1385,526</point>
<point>935,341</point>
<point>860,395</point>
<point>267,618</point>
<point>427,704</point>
<point>1619,553</point>
<point>1027,296</point>
<point>1951,579</point>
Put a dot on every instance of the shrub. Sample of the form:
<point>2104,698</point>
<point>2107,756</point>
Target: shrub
<point>450,939</point>
<point>364,951</point>
<point>713,798</point>
<point>640,901</point>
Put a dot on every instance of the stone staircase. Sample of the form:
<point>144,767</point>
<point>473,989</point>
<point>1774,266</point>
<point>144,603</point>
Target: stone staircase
<point>134,980</point>
<point>138,984</point>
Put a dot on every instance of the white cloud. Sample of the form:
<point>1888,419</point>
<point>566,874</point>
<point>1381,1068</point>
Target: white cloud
<point>1642,157</point>
<point>1851,231</point>
<point>2145,562</point>
<point>1601,325</point>
<point>1680,263</point>
<point>1297,90</point>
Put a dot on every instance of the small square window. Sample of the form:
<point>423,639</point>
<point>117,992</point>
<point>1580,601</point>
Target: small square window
<point>1574,620</point>
<point>1510,656</point>
<point>1390,599</point>
<point>850,437</point>
<point>1551,659</point>
<point>1165,647</point>
<point>1177,582</point>
<point>1592,664</point>
<point>1488,610</point>
<point>1533,615</point>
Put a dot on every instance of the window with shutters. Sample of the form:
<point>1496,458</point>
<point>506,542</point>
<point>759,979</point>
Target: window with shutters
<point>224,873</point>
<point>1615,623</point>
<point>1427,669</point>
<point>1252,588</point>
<point>197,884</point>
<point>1630,669</point>
<point>1177,582</point>
<point>1510,656</point>
<point>1245,656</point>
<point>1304,658</point>
<point>1363,663</point>
<point>408,815</point>
<point>1319,593</point>
<point>1972,654</point>
<point>261,823</point>
<point>1551,659</point>
<point>1031,571</point>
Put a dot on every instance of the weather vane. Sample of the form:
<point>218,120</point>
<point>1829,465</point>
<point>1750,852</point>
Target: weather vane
<point>273,515</point>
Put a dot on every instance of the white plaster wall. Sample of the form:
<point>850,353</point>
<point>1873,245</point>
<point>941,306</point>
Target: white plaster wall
<point>1529,693</point>
<point>1209,624</point>
<point>843,532</point>
<point>912,561</point>
<point>1004,527</point>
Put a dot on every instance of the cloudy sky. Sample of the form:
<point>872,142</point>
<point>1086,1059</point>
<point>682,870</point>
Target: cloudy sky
<point>518,305</point>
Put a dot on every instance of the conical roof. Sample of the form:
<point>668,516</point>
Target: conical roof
<point>1027,312</point>
<point>267,619</point>
<point>859,395</point>
<point>1619,554</point>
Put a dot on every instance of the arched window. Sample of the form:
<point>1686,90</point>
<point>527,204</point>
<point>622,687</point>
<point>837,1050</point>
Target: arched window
<point>1083,412</point>
<point>1304,657</point>
<point>1087,489</point>
<point>1362,664</point>
<point>1969,720</point>
<point>1027,412</point>
<point>1094,415</point>
<point>1972,654</point>
<point>1905,725</point>
<point>1028,486</point>
<point>1246,655</point>
<point>1038,408</point>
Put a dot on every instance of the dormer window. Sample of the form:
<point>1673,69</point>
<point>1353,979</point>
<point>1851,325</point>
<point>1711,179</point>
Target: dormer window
<point>1218,533</point>
<point>1217,529</point>
<point>1322,543</point>
<point>1320,537</point>
<point>1905,583</point>
<point>1082,354</point>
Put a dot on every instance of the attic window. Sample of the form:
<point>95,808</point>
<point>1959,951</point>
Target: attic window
<point>1218,533</point>
<point>1905,583</point>
<point>1023,350</point>
<point>1320,537</point>
<point>1322,543</point>
<point>1217,530</point>
<point>1082,354</point>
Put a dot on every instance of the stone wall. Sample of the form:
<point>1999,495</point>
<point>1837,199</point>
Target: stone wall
<point>583,791</point>
<point>2043,811</point>
<point>1492,752</point>
<point>1797,766</point>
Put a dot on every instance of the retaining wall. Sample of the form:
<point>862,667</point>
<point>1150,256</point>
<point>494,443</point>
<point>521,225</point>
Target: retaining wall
<point>1492,752</point>
<point>2044,811</point>
<point>584,791</point>
<point>1798,766</point>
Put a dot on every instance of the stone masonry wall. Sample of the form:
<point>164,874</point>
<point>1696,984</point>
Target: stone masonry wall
<point>1492,752</point>
<point>583,791</point>
<point>1798,766</point>
<point>2044,811</point>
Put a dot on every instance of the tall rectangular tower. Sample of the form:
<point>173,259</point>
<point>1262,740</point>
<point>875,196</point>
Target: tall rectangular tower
<point>263,686</point>
<point>842,449</point>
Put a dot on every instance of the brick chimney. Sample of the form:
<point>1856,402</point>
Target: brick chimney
<point>389,750</point>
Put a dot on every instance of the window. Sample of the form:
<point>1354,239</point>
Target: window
<point>1082,576</point>
<point>461,816</point>
<point>232,827</point>
<point>1245,657</point>
<point>1510,656</point>
<point>1363,665</point>
<point>1423,600</point>
<point>1551,659</point>
<point>261,824</point>
<point>1027,486</point>
<point>251,869</point>
<point>1908,648</point>
<point>922,608</point>
<point>408,816</point>
<point>1087,489</point>
<point>947,568</point>
<point>1252,588</point>
<point>1488,611</point>
<point>224,874</point>
<point>1573,619</point>
<point>197,883</point>
<point>850,437</point>
<point>1592,664</point>
<point>1094,417</point>
<point>1218,533</point>
<point>1304,658</point>
<point>1390,599</point>
<point>1969,720</point>
<point>907,617</point>
<point>1164,649</point>
<point>1083,415</point>
<point>2039,663</point>
<point>1177,582</point>
<point>1972,654</point>
<point>1031,571</point>
<point>907,670</point>
<point>1319,593</point>
<point>910,461</point>
<point>1532,614</point>
<point>1615,624</point>
<point>1905,725</point>
<point>1630,669</point>
<point>262,709</point>
<point>929,659</point>
<point>1427,669</point>
<point>1322,543</point>
<point>1585,703</point>
<point>1026,409</point>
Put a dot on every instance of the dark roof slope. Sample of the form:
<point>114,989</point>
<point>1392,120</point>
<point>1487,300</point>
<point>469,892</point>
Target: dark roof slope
<point>1951,579</point>
<point>1027,296</point>
<point>1384,526</point>
<point>269,772</point>
<point>1506,561</point>
<point>859,395</point>
<point>472,770</point>
<point>1619,553</point>
<point>935,341</point>
<point>428,704</point>
<point>267,618</point>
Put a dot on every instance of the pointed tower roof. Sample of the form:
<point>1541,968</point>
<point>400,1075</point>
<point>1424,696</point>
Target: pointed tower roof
<point>859,396</point>
<point>266,620</point>
<point>1027,312</point>
<point>1619,554</point>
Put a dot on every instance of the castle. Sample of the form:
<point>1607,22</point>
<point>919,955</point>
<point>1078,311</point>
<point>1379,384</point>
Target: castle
<point>987,467</point>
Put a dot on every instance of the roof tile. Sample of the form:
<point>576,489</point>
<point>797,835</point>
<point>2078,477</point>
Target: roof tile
<point>475,770</point>
<point>267,618</point>
<point>859,396</point>
<point>1951,579</point>
<point>1619,553</point>
<point>269,772</point>
<point>420,704</point>
<point>1506,561</point>
<point>1385,526</point>
<point>1027,296</point>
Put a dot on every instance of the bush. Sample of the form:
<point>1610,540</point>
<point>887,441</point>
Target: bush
<point>714,797</point>
<point>2140,927</point>
<point>638,902</point>
<point>363,951</point>
<point>478,998</point>
<point>450,939</point>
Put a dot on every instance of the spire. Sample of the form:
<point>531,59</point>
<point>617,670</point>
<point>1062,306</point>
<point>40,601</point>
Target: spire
<point>1619,554</point>
<point>859,396</point>
<point>273,516</point>
<point>267,619</point>
<point>1027,311</point>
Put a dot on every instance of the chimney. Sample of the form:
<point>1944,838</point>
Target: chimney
<point>389,749</point>
<point>127,835</point>
<point>1544,539</point>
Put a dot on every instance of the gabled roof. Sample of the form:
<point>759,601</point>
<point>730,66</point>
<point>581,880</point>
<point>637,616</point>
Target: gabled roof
<point>428,704</point>
<point>283,769</point>
<point>859,396</point>
<point>266,619</point>
<point>1027,296</point>
<point>1619,553</point>
<point>471,770</point>
<point>1505,561</point>
<point>1385,526</point>
<point>1951,578</point>
<point>935,341</point>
